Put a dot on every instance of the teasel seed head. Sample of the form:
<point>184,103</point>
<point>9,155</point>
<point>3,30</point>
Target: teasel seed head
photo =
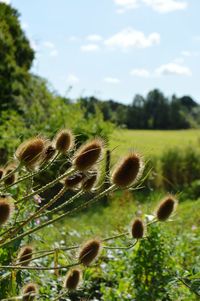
<point>137,228</point>
<point>25,255</point>
<point>73,181</point>
<point>64,141</point>
<point>6,209</point>
<point>10,180</point>
<point>28,292</point>
<point>90,181</point>
<point>72,279</point>
<point>1,173</point>
<point>30,153</point>
<point>128,171</point>
<point>49,152</point>
<point>166,208</point>
<point>89,252</point>
<point>88,154</point>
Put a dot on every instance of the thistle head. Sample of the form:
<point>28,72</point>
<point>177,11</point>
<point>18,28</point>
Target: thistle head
<point>6,209</point>
<point>72,279</point>
<point>10,180</point>
<point>90,181</point>
<point>166,208</point>
<point>89,252</point>
<point>49,152</point>
<point>29,292</point>
<point>128,171</point>
<point>73,181</point>
<point>64,141</point>
<point>88,154</point>
<point>137,228</point>
<point>25,255</point>
<point>30,153</point>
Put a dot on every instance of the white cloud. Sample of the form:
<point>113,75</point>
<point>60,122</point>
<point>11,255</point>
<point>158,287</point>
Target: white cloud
<point>166,6</point>
<point>89,47</point>
<point>112,80</point>
<point>124,5</point>
<point>130,38</point>
<point>188,53</point>
<point>5,1</point>
<point>94,38</point>
<point>53,52</point>
<point>48,44</point>
<point>140,73</point>
<point>72,79</point>
<point>34,45</point>
<point>173,69</point>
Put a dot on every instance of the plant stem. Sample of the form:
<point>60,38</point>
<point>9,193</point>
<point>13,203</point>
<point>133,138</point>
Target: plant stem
<point>49,185</point>
<point>38,268</point>
<point>95,199</point>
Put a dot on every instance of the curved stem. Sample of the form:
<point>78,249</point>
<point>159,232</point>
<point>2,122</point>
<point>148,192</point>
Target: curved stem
<point>36,268</point>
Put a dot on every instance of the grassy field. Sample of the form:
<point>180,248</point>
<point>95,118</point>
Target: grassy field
<point>151,142</point>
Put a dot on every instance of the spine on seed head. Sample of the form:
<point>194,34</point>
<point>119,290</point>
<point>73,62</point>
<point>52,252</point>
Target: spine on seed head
<point>64,141</point>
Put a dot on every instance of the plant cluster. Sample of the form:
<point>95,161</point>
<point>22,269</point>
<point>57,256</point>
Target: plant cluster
<point>21,217</point>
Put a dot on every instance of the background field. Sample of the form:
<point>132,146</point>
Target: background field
<point>152,142</point>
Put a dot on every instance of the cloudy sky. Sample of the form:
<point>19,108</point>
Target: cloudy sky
<point>115,48</point>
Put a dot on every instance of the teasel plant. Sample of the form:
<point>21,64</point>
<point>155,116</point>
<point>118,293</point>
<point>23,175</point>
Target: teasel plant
<point>21,218</point>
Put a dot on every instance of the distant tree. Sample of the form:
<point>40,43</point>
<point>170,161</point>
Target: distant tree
<point>16,57</point>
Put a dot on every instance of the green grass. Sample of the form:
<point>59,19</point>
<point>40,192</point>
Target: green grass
<point>151,142</point>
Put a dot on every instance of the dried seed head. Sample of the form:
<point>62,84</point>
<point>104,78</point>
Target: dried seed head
<point>72,181</point>
<point>89,251</point>
<point>6,209</point>
<point>166,208</point>
<point>10,180</point>
<point>128,171</point>
<point>88,154</point>
<point>72,279</point>
<point>90,181</point>
<point>64,141</point>
<point>49,152</point>
<point>1,173</point>
<point>29,291</point>
<point>25,255</point>
<point>31,151</point>
<point>137,228</point>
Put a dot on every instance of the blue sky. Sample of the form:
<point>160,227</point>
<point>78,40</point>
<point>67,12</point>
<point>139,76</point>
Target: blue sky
<point>115,48</point>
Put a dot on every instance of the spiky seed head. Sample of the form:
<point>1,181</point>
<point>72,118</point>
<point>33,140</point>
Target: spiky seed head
<point>1,173</point>
<point>64,141</point>
<point>25,255</point>
<point>6,209</point>
<point>137,228</point>
<point>90,181</point>
<point>49,152</point>
<point>128,171</point>
<point>28,292</point>
<point>72,181</point>
<point>30,153</point>
<point>10,180</point>
<point>166,208</point>
<point>72,279</point>
<point>88,154</point>
<point>89,252</point>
